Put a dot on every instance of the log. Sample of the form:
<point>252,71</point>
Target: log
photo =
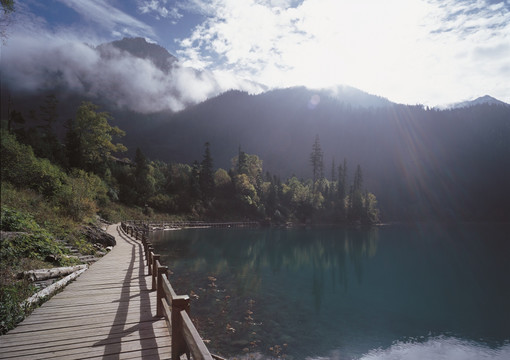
<point>34,299</point>
<point>44,274</point>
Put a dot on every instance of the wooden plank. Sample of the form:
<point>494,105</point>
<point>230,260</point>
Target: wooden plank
<point>92,350</point>
<point>64,335</point>
<point>92,341</point>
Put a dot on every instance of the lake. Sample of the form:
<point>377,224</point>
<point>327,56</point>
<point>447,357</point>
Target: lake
<point>423,291</point>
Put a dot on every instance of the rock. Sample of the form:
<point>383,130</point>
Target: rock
<point>97,235</point>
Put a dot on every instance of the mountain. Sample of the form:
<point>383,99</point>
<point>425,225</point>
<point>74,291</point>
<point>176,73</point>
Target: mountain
<point>421,163</point>
<point>478,101</point>
<point>140,48</point>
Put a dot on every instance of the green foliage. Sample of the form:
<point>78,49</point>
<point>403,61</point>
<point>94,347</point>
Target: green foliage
<point>11,310</point>
<point>95,179</point>
<point>79,194</point>
<point>21,167</point>
<point>206,176</point>
<point>34,243</point>
<point>90,138</point>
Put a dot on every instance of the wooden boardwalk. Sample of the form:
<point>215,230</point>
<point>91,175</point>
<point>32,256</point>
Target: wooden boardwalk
<point>109,312</point>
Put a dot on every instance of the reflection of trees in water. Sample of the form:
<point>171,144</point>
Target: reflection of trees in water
<point>241,259</point>
<point>244,254</point>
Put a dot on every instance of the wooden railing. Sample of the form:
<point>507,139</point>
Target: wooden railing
<point>175,308</point>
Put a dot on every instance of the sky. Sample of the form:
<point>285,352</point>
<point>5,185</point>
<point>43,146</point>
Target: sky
<point>431,52</point>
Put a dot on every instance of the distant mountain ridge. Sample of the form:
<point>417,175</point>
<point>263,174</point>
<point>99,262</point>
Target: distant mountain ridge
<point>486,99</point>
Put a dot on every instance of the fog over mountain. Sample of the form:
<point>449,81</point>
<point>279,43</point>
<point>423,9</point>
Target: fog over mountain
<point>129,74</point>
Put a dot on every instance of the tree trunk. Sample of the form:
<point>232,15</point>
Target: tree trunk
<point>44,274</point>
<point>34,299</point>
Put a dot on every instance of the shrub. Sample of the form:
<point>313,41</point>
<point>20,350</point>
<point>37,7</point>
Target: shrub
<point>11,312</point>
<point>34,243</point>
<point>21,167</point>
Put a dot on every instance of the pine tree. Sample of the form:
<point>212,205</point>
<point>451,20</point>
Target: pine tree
<point>342,190</point>
<point>333,171</point>
<point>317,161</point>
<point>206,176</point>
<point>356,196</point>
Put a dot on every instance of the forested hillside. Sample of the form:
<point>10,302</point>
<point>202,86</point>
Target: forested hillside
<point>85,171</point>
<point>422,163</point>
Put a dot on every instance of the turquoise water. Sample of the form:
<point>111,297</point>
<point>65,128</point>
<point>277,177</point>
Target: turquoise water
<point>393,292</point>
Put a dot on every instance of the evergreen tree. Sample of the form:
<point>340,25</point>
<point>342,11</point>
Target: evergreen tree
<point>206,176</point>
<point>242,165</point>
<point>317,161</point>
<point>194,181</point>
<point>356,196</point>
<point>333,171</point>
<point>342,190</point>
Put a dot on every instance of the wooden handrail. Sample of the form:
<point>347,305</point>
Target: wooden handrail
<point>197,347</point>
<point>174,308</point>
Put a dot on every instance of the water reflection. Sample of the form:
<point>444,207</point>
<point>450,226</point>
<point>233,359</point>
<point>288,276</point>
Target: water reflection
<point>243,255</point>
<point>266,282</point>
<point>305,293</point>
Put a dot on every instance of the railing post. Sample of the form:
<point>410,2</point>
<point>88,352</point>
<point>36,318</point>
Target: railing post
<point>155,271</point>
<point>179,346</point>
<point>145,247</point>
<point>150,253</point>
<point>160,292</point>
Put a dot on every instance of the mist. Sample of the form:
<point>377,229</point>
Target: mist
<point>42,62</point>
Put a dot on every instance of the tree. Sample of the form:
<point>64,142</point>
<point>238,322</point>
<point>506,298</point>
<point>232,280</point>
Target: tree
<point>342,190</point>
<point>333,171</point>
<point>206,176</point>
<point>92,137</point>
<point>356,196</point>
<point>144,181</point>
<point>194,181</point>
<point>317,162</point>
<point>241,167</point>
<point>49,146</point>
<point>48,112</point>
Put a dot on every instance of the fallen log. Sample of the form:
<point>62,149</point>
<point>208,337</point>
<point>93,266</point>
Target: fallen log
<point>44,274</point>
<point>34,299</point>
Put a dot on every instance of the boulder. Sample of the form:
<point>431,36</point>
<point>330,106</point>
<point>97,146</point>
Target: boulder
<point>96,235</point>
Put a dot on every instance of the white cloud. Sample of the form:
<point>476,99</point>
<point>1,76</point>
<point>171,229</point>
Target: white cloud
<point>109,17</point>
<point>159,8</point>
<point>41,60</point>
<point>407,50</point>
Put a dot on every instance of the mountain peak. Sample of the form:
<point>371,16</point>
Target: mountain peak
<point>140,48</point>
<point>486,99</point>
